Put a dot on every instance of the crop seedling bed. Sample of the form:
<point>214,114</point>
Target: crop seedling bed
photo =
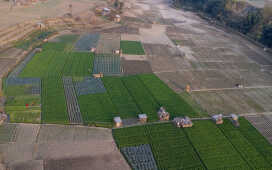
<point>132,47</point>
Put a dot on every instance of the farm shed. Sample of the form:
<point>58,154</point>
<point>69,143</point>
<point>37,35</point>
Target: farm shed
<point>3,118</point>
<point>117,121</point>
<point>218,119</point>
<point>163,114</point>
<point>142,118</point>
<point>235,120</point>
<point>117,18</point>
<point>183,122</point>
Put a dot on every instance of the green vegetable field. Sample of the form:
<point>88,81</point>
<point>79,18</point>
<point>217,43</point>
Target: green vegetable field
<point>204,146</point>
<point>132,47</point>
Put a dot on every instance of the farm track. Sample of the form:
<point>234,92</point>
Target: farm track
<point>71,101</point>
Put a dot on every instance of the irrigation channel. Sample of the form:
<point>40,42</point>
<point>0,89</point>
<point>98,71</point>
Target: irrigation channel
<point>71,101</point>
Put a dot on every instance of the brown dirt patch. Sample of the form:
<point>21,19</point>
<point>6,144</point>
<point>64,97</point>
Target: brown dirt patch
<point>132,67</point>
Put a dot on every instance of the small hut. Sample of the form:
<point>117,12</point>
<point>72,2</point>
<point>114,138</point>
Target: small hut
<point>117,18</point>
<point>106,11</point>
<point>142,118</point>
<point>116,51</point>
<point>163,114</point>
<point>93,50</point>
<point>218,119</point>
<point>117,121</point>
<point>3,117</point>
<point>188,88</point>
<point>183,122</point>
<point>41,25</point>
<point>99,75</point>
<point>235,120</point>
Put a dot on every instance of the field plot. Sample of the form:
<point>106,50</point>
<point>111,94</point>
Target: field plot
<point>108,43</point>
<point>89,85</point>
<point>7,133</point>
<point>249,153</point>
<point>5,64</point>
<point>234,101</point>
<point>213,147</point>
<point>140,157</point>
<point>263,124</point>
<point>58,147</point>
<point>53,101</point>
<point>171,150</point>
<point>53,63</point>
<point>120,97</point>
<point>142,97</point>
<point>86,42</point>
<point>107,64</point>
<point>132,47</point>
<point>155,35</point>
<point>71,101</point>
<point>255,138</point>
<point>93,108</point>
<point>166,97</point>
<point>132,67</point>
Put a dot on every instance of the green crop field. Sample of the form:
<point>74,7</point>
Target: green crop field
<point>120,97</point>
<point>213,147</point>
<point>53,63</point>
<point>142,97</point>
<point>167,98</point>
<point>132,47</point>
<point>204,146</point>
<point>243,146</point>
<point>96,108</point>
<point>170,146</point>
<point>256,139</point>
<point>53,101</point>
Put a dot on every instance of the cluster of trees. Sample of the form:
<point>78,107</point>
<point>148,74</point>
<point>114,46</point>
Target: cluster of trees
<point>249,20</point>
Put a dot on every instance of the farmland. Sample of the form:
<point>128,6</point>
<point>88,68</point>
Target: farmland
<point>132,47</point>
<point>204,146</point>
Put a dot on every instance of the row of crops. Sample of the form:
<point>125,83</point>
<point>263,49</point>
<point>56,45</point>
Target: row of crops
<point>107,64</point>
<point>52,63</point>
<point>129,96</point>
<point>204,146</point>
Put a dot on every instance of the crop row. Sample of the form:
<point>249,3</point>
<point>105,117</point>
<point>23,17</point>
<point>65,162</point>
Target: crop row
<point>132,47</point>
<point>53,63</point>
<point>213,147</point>
<point>256,139</point>
<point>170,146</point>
<point>166,97</point>
<point>53,101</point>
<point>243,146</point>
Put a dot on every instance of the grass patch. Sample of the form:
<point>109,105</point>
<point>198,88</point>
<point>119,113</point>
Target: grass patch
<point>132,47</point>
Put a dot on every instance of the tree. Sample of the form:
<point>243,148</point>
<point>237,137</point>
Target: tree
<point>267,35</point>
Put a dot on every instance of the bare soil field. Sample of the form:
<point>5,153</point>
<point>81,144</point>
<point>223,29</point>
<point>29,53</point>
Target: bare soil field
<point>46,9</point>
<point>132,67</point>
<point>54,147</point>
<point>108,43</point>
<point>254,100</point>
<point>263,123</point>
<point>5,64</point>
